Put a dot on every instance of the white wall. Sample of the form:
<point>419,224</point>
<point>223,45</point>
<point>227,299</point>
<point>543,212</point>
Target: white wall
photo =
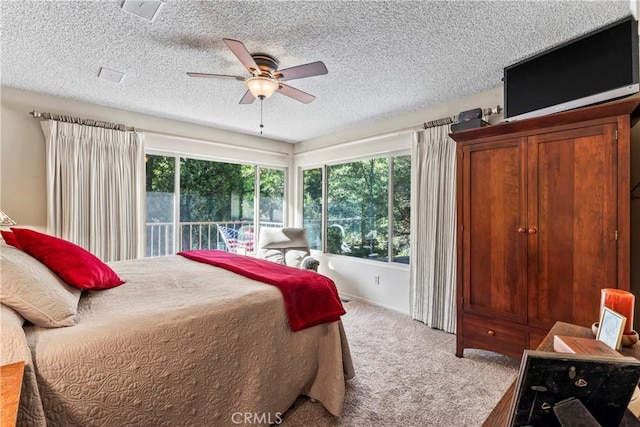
<point>22,168</point>
<point>489,98</point>
<point>220,151</point>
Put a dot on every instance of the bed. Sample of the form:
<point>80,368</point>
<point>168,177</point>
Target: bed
<point>180,343</point>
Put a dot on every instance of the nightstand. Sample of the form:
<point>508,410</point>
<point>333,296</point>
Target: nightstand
<point>10,386</point>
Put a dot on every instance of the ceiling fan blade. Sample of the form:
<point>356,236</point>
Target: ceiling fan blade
<point>241,52</point>
<point>216,76</point>
<point>296,94</point>
<point>301,71</point>
<point>248,98</point>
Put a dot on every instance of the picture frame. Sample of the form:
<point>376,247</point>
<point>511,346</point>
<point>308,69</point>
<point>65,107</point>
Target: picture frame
<point>553,387</point>
<point>611,327</point>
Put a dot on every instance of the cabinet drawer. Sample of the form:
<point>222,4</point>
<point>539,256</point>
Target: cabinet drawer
<point>494,329</point>
<point>494,335</point>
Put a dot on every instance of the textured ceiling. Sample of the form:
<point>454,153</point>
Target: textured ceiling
<point>384,58</point>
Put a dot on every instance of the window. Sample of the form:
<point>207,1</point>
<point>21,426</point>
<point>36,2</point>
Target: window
<point>271,211</point>
<point>271,197</point>
<point>217,204</point>
<point>401,176</point>
<point>357,208</point>
<point>160,173</point>
<point>368,204</point>
<point>312,206</point>
<point>214,194</point>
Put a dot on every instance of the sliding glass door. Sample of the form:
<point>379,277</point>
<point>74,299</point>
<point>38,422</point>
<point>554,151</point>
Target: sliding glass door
<point>216,204</point>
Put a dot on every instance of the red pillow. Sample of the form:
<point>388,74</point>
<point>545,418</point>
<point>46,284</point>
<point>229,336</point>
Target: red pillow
<point>10,239</point>
<point>73,264</point>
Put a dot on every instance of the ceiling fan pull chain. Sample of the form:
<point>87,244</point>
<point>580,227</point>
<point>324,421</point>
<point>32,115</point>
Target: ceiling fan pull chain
<point>261,104</point>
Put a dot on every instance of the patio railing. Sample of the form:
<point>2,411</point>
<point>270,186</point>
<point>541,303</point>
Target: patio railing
<point>194,235</point>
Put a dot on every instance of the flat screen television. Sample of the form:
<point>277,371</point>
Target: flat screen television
<point>596,67</point>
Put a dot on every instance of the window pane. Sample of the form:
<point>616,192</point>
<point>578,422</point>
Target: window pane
<point>312,206</point>
<point>401,208</point>
<point>271,197</point>
<point>214,194</point>
<point>247,207</point>
<point>160,171</point>
<point>246,235</point>
<point>357,220</point>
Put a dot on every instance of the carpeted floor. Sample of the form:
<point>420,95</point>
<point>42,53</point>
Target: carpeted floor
<point>408,375</point>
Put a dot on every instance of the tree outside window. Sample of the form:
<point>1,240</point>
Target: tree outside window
<point>359,220</point>
<point>401,208</point>
<point>312,206</point>
<point>271,197</point>
<point>213,192</point>
<point>357,208</point>
<point>160,172</point>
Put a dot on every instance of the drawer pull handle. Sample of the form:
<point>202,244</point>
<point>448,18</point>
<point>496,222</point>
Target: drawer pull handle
<point>532,231</point>
<point>490,333</point>
<point>522,230</point>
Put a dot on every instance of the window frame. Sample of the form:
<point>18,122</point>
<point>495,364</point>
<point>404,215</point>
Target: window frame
<point>390,155</point>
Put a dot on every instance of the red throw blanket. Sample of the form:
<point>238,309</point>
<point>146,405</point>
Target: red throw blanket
<point>309,298</point>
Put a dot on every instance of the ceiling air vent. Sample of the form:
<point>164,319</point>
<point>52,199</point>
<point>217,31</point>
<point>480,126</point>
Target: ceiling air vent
<point>114,76</point>
<point>144,9</point>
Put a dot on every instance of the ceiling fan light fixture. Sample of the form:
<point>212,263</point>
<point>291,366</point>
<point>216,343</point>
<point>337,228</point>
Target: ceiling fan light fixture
<point>261,86</point>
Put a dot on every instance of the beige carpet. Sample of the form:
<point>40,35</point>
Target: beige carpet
<point>408,375</point>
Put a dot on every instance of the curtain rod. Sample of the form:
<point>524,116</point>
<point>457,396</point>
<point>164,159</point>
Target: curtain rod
<point>439,122</point>
<point>87,122</point>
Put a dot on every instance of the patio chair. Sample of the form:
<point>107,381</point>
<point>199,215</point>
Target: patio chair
<point>287,246</point>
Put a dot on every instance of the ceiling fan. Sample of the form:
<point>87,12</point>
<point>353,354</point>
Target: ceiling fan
<point>265,77</point>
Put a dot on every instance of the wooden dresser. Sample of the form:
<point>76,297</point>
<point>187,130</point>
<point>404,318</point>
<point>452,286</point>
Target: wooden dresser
<point>542,223</point>
<point>10,386</point>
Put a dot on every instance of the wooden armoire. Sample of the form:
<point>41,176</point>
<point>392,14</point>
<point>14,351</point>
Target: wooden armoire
<point>542,223</point>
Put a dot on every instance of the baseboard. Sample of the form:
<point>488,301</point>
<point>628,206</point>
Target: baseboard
<point>347,296</point>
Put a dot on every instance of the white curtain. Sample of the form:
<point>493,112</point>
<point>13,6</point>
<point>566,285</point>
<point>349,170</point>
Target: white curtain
<point>95,188</point>
<point>433,237</point>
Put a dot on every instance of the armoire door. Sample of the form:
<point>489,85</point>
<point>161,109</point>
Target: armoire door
<point>571,223</point>
<point>493,242</point>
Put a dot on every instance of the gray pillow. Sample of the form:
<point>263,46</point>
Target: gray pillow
<point>34,291</point>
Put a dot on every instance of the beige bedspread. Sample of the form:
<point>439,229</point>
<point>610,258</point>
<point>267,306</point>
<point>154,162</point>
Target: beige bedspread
<point>183,343</point>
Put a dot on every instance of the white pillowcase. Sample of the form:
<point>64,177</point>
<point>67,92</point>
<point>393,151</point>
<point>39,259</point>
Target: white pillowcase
<point>34,291</point>
<point>13,346</point>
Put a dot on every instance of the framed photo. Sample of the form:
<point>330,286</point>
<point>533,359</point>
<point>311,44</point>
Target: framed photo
<point>611,328</point>
<point>553,388</point>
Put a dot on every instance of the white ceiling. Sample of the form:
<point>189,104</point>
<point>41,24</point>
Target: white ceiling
<point>384,58</point>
